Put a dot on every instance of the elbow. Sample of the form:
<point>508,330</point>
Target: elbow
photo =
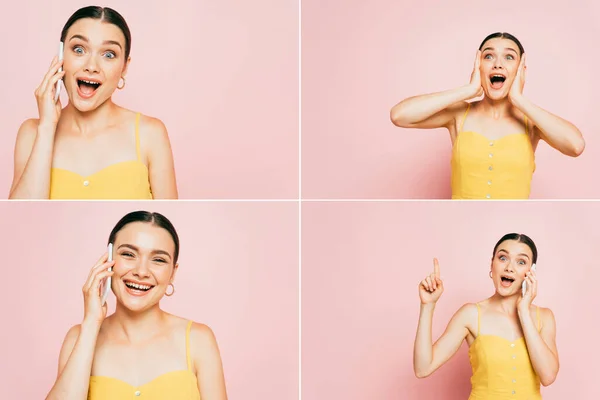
<point>548,380</point>
<point>398,118</point>
<point>578,147</point>
<point>420,373</point>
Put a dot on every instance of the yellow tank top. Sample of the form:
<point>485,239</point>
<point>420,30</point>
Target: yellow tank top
<point>174,385</point>
<point>491,169</point>
<point>501,368</point>
<point>127,180</point>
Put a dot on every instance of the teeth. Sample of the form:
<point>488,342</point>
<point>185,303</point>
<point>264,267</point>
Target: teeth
<point>88,82</point>
<point>136,286</point>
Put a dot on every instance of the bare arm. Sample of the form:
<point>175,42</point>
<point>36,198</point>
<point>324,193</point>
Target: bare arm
<point>541,345</point>
<point>429,357</point>
<point>430,111</point>
<point>437,110</point>
<point>557,132</point>
<point>75,363</point>
<point>33,161</point>
<point>207,360</point>
<point>160,161</point>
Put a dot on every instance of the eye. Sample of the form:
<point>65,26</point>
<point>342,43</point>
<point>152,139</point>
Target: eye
<point>78,49</point>
<point>127,254</point>
<point>503,258</point>
<point>510,57</point>
<point>522,262</point>
<point>110,54</point>
<point>160,260</point>
<point>487,56</point>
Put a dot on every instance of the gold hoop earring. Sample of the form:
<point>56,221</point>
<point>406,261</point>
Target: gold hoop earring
<point>490,274</point>
<point>121,87</point>
<point>172,292</point>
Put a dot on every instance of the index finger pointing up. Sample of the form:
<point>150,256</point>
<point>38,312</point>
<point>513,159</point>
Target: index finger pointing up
<point>436,267</point>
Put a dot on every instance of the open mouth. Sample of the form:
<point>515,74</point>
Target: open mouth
<point>87,88</point>
<point>497,81</point>
<point>507,281</point>
<point>137,288</point>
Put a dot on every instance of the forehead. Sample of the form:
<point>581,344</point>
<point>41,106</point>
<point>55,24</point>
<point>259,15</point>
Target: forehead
<point>513,247</point>
<point>96,30</point>
<point>500,44</point>
<point>146,235</point>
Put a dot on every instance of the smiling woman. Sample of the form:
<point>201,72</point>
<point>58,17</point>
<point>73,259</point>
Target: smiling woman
<point>140,349</point>
<point>493,139</point>
<point>93,148</point>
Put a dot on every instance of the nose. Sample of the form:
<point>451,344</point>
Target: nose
<point>509,267</point>
<point>498,63</point>
<point>91,66</point>
<point>141,269</point>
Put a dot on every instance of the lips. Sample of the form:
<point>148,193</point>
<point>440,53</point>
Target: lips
<point>137,288</point>
<point>506,281</point>
<point>87,87</point>
<point>497,81</point>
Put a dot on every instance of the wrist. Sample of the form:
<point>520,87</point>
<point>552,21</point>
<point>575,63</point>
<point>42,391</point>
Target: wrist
<point>427,306</point>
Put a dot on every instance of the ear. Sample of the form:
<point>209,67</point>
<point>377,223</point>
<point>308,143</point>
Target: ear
<point>174,273</point>
<point>125,67</point>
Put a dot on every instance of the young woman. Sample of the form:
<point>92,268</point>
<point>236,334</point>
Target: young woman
<point>511,342</point>
<point>140,350</point>
<point>93,148</point>
<point>494,139</point>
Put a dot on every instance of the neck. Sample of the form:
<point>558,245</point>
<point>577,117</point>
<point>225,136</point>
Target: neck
<point>137,326</point>
<point>89,122</point>
<point>496,108</point>
<point>507,304</point>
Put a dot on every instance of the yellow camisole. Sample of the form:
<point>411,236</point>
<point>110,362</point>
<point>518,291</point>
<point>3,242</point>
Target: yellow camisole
<point>501,368</point>
<point>174,385</point>
<point>127,180</point>
<point>483,168</point>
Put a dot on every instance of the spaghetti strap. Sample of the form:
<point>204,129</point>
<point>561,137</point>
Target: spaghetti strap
<point>187,345</point>
<point>462,124</point>
<point>478,319</point>
<point>526,125</point>
<point>137,137</point>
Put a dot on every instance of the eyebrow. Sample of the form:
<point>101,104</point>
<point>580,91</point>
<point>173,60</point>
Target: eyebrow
<point>135,248</point>
<point>80,37</point>
<point>507,48</point>
<point>520,254</point>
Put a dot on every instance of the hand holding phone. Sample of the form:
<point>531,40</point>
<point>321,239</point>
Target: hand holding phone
<point>61,48</point>
<point>107,282</point>
<point>524,285</point>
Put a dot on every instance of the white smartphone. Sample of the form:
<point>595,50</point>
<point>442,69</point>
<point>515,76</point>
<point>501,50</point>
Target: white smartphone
<point>107,282</point>
<point>524,285</point>
<point>61,50</point>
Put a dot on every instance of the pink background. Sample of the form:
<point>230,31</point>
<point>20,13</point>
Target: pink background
<point>238,274</point>
<point>361,265</point>
<point>361,58</point>
<point>222,76</point>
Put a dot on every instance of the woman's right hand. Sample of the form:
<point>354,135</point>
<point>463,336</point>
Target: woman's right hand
<point>432,287</point>
<point>48,109</point>
<point>475,83</point>
<point>94,311</point>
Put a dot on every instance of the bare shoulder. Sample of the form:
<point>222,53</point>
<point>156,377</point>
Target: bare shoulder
<point>467,312</point>
<point>153,128</point>
<point>202,335</point>
<point>28,130</point>
<point>546,315</point>
<point>72,334</point>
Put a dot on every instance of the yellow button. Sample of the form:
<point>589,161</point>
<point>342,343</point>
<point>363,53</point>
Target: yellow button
<point>491,155</point>
<point>512,345</point>
<point>514,381</point>
<point>491,168</point>
<point>86,183</point>
<point>513,392</point>
<point>137,393</point>
<point>487,196</point>
<point>489,182</point>
<point>491,143</point>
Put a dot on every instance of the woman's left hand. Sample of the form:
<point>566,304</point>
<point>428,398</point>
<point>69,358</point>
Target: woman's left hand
<point>526,300</point>
<point>516,89</point>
